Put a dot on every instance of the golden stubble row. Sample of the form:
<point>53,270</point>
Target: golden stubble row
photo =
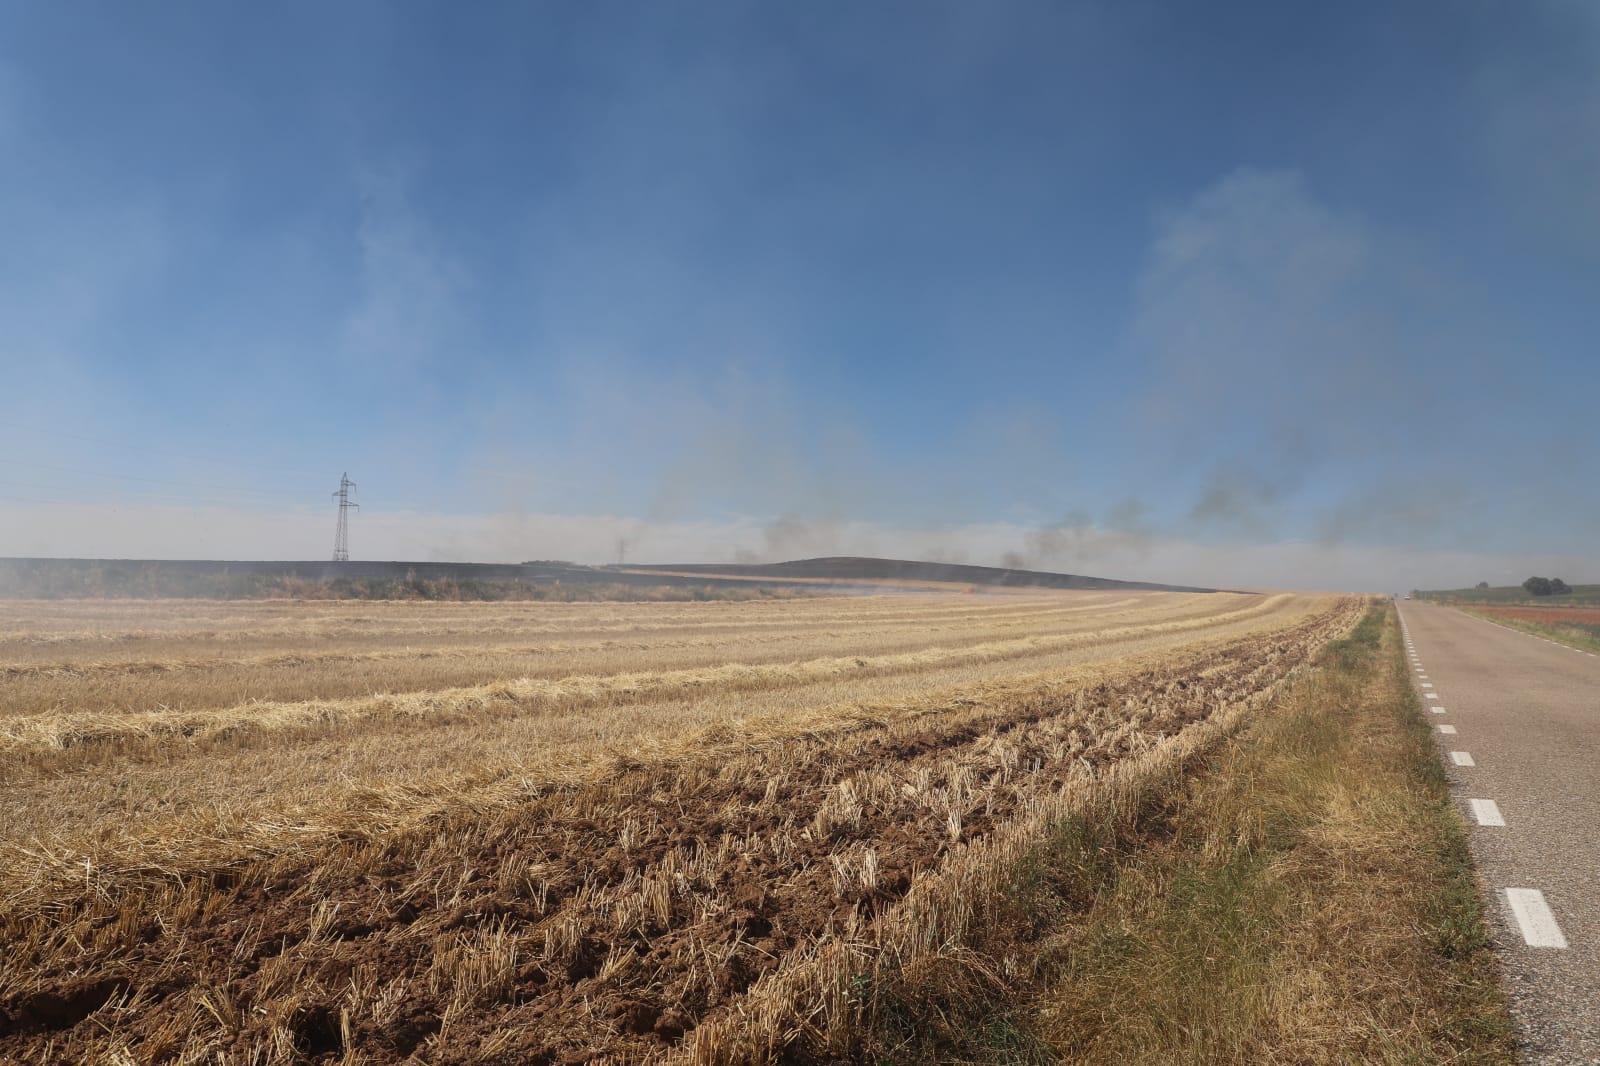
<point>113,624</point>
<point>200,676</point>
<point>22,732</point>
<point>260,792</point>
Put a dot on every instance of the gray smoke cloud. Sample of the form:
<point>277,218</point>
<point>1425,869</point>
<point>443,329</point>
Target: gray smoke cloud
<point>1077,541</point>
<point>1325,389</point>
<point>1236,499</point>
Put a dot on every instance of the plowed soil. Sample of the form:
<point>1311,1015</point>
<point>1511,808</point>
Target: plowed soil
<point>1545,615</point>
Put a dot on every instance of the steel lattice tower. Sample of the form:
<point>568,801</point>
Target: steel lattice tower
<point>341,539</point>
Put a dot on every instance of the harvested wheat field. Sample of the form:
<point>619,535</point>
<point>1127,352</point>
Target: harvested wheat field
<point>283,831</point>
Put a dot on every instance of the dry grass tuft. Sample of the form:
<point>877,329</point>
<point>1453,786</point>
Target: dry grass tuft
<point>1307,900</point>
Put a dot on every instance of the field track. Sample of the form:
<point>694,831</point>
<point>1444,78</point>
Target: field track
<point>284,832</point>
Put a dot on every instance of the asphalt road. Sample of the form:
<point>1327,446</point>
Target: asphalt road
<point>1526,713</point>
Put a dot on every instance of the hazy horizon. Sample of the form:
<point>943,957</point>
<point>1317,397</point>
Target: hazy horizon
<point>1245,295</point>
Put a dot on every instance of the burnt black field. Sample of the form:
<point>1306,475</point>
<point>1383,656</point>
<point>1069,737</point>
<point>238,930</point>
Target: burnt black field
<point>43,578</point>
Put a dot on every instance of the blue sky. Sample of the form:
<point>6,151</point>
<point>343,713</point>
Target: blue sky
<point>1292,294</point>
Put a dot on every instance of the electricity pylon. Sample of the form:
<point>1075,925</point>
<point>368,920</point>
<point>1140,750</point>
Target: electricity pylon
<point>341,539</point>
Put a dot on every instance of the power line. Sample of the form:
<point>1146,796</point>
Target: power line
<point>110,495</point>
<point>97,495</point>
<point>36,499</point>
<point>51,434</point>
<point>47,436</point>
<point>136,477</point>
<point>341,538</point>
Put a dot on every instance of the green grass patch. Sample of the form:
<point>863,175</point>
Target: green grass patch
<point>1585,635</point>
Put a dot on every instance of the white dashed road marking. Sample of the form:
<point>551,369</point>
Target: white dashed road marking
<point>1426,685</point>
<point>1431,695</point>
<point>1462,758</point>
<point>1533,916</point>
<point>1436,710</point>
<point>1447,730</point>
<point>1487,812</point>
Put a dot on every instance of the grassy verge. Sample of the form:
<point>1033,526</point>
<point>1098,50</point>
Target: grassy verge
<point>1303,894</point>
<point>1585,635</point>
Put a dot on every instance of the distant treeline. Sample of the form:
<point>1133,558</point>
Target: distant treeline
<point>1540,594</point>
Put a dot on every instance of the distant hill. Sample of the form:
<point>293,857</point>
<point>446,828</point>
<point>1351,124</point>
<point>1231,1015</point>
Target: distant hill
<point>847,569</point>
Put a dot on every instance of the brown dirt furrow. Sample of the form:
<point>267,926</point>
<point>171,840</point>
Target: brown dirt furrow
<point>1543,615</point>
<point>601,916</point>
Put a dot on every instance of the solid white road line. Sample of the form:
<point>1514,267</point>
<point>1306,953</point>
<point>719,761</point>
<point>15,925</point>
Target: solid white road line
<point>1448,730</point>
<point>1462,758</point>
<point>1487,812</point>
<point>1538,925</point>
